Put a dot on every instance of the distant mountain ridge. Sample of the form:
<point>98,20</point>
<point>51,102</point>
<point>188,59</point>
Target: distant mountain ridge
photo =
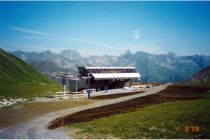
<point>161,68</point>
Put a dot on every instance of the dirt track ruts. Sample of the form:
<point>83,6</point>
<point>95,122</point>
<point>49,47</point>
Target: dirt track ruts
<point>172,93</point>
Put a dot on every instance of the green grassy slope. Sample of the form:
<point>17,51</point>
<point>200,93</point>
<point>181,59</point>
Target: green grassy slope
<point>17,79</point>
<point>182,119</point>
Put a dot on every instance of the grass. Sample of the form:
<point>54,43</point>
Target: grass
<point>28,90</point>
<point>198,83</point>
<point>166,120</point>
<point>18,79</point>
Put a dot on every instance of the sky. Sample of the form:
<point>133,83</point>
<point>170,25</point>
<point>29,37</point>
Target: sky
<point>98,28</point>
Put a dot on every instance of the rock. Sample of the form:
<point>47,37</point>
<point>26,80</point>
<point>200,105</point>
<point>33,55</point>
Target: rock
<point>9,102</point>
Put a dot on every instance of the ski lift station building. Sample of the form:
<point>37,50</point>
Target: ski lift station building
<point>101,78</point>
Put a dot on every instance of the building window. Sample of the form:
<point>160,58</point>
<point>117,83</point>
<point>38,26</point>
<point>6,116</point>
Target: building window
<point>107,71</point>
<point>131,70</point>
<point>126,71</point>
<point>94,71</point>
<point>90,71</point>
<point>118,70</point>
<point>97,71</point>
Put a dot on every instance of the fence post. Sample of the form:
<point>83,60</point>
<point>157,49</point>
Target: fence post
<point>62,121</point>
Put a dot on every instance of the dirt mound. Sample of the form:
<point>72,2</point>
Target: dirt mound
<point>185,91</point>
<point>172,93</point>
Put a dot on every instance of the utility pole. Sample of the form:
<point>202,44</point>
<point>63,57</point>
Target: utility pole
<point>64,76</point>
<point>76,80</point>
<point>64,85</point>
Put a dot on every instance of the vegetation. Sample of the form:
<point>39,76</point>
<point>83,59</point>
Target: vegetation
<point>179,119</point>
<point>28,90</point>
<point>18,79</point>
<point>196,83</point>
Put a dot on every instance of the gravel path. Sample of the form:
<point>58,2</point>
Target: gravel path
<point>37,128</point>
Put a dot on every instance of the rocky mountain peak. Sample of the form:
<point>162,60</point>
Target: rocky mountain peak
<point>48,52</point>
<point>127,52</point>
<point>163,67</point>
<point>70,54</point>
<point>171,54</point>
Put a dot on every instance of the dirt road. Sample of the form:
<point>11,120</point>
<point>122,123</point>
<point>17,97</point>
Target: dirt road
<point>37,128</point>
<point>34,129</point>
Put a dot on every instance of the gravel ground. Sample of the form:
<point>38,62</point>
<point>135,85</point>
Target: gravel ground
<point>34,129</point>
<point>37,128</point>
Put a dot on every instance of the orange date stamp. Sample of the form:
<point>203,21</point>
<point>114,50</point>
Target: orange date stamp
<point>189,128</point>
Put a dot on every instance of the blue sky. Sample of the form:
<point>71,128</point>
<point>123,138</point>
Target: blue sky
<point>97,28</point>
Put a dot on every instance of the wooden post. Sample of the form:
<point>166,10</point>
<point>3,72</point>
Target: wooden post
<point>62,121</point>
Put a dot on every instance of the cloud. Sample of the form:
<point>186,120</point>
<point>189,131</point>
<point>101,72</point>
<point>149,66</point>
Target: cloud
<point>15,46</point>
<point>24,30</point>
<point>35,34</point>
<point>136,34</point>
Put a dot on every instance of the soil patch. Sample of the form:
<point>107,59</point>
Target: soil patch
<point>172,93</point>
<point>26,111</point>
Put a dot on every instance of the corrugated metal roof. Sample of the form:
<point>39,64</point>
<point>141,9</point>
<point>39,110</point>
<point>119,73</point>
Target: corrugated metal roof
<point>109,67</point>
<point>110,72</point>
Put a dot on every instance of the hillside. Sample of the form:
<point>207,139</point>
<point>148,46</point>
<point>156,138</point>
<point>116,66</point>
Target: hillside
<point>202,76</point>
<point>177,112</point>
<point>18,79</point>
<point>160,68</point>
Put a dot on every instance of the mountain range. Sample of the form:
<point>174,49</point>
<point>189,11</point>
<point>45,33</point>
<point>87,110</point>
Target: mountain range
<point>159,68</point>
